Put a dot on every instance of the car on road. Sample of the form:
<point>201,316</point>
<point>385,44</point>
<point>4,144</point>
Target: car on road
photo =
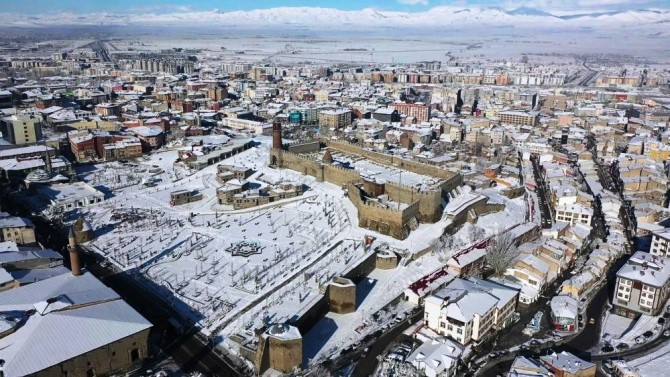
<point>666,333</point>
<point>592,321</point>
<point>366,350</point>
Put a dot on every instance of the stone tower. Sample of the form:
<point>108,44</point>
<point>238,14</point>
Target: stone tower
<point>276,135</point>
<point>75,264</point>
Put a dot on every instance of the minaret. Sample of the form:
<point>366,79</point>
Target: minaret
<point>75,265</point>
<point>276,136</point>
<point>47,160</point>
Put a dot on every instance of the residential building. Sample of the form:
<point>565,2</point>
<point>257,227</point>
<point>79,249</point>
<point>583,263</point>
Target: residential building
<point>527,367</point>
<point>660,242</point>
<point>564,313</point>
<point>418,110</point>
<point>470,310</point>
<point>574,213</point>
<point>436,358</point>
<point>334,119</point>
<point>642,285</point>
<point>21,129</point>
<point>565,364</point>
<point>518,118</point>
<point>16,229</point>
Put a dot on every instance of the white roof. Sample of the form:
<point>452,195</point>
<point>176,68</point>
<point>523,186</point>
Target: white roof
<point>646,268</point>
<point>74,315</point>
<point>438,356</point>
<point>46,340</point>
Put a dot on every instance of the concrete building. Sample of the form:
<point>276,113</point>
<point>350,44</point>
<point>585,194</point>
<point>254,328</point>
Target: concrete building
<point>565,364</point>
<point>16,229</point>
<point>574,213</point>
<point>418,110</point>
<point>436,358</point>
<point>518,118</point>
<point>642,285</point>
<point>660,242</point>
<point>334,119</point>
<point>69,196</point>
<point>470,310</point>
<point>21,129</point>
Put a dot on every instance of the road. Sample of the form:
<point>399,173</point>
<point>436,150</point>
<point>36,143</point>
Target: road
<point>547,218</point>
<point>367,365</point>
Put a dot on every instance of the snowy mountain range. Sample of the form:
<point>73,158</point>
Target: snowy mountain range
<point>445,17</point>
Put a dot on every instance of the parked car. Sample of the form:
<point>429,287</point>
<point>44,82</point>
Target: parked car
<point>366,350</point>
<point>622,346</point>
<point>647,334</point>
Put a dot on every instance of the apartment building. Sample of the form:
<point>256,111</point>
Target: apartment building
<point>418,110</point>
<point>574,213</point>
<point>642,285</point>
<point>532,273</point>
<point>334,119</point>
<point>470,310</point>
<point>518,118</point>
<point>660,242</point>
<point>21,129</point>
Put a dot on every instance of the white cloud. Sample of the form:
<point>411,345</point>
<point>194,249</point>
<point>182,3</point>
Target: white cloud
<point>164,8</point>
<point>583,5</point>
<point>414,2</point>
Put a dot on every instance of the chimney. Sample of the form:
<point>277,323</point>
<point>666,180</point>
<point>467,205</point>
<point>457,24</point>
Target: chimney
<point>74,253</point>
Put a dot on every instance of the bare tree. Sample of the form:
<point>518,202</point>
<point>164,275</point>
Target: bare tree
<point>501,253</point>
<point>476,233</point>
<point>318,370</point>
<point>440,148</point>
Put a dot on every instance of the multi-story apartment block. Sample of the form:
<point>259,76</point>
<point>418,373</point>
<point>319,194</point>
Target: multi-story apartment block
<point>574,213</point>
<point>470,310</point>
<point>660,242</point>
<point>418,110</point>
<point>642,285</point>
<point>334,118</point>
<point>518,118</point>
<point>21,129</point>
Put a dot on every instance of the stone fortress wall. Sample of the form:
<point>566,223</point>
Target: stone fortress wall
<point>422,205</point>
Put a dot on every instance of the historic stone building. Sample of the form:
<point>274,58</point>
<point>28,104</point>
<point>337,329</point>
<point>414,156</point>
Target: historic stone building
<point>387,207</point>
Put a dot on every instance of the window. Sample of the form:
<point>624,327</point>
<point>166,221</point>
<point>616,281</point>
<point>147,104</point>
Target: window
<point>134,354</point>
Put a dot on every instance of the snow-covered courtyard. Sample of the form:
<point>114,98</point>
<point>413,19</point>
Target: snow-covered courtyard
<point>230,271</point>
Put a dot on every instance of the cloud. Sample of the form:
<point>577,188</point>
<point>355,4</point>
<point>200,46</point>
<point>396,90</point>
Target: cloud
<point>414,2</point>
<point>583,5</point>
<point>164,8</point>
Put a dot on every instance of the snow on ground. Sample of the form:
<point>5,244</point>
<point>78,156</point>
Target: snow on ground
<point>643,324</point>
<point>514,213</point>
<point>231,271</point>
<point>615,326</point>
<point>654,364</point>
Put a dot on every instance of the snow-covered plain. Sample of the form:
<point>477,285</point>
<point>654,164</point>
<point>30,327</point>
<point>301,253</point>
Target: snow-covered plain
<point>231,271</point>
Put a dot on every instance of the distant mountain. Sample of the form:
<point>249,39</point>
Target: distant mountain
<point>444,17</point>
